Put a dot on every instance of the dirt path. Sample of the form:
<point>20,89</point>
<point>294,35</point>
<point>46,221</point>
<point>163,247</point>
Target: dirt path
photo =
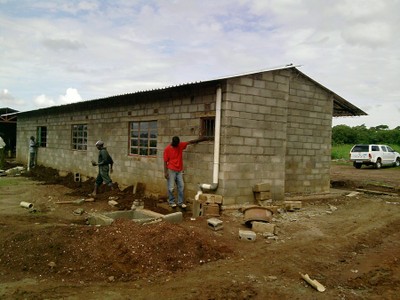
<point>348,243</point>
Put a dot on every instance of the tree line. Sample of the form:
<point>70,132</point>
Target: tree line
<point>343,134</point>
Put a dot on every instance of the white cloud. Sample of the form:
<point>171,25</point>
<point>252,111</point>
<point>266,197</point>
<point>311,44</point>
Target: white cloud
<point>62,44</point>
<point>386,114</point>
<point>70,96</point>
<point>104,49</point>
<point>43,101</point>
<point>375,34</point>
<point>8,100</point>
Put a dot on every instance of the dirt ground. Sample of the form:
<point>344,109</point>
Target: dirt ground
<point>347,240</point>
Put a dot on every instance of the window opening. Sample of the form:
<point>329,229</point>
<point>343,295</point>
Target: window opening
<point>79,137</point>
<point>143,138</point>
<point>207,127</point>
<point>41,134</point>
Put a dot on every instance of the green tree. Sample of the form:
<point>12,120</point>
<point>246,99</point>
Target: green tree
<point>382,134</point>
<point>342,134</point>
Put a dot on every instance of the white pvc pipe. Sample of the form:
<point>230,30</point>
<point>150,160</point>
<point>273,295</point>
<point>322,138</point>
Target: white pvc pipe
<point>217,138</point>
<point>26,204</point>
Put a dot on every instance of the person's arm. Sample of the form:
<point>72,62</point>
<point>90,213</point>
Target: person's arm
<point>201,139</point>
<point>166,175</point>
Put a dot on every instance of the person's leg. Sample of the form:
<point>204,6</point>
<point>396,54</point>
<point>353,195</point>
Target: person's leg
<point>99,181</point>
<point>181,186</point>
<point>2,158</point>
<point>170,187</point>
<point>105,175</point>
<point>31,159</point>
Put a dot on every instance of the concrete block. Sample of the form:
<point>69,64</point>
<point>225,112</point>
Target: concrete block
<point>215,224</point>
<point>262,187</point>
<point>112,203</point>
<point>77,177</point>
<point>176,217</point>
<point>263,227</point>
<point>292,205</point>
<point>211,210</point>
<point>211,198</point>
<point>247,235</point>
<point>99,219</point>
<point>260,196</point>
<point>197,209</point>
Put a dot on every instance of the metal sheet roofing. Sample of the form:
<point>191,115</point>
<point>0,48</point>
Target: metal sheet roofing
<point>341,107</point>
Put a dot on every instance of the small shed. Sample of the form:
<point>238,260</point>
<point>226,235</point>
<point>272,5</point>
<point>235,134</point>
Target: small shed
<point>8,128</point>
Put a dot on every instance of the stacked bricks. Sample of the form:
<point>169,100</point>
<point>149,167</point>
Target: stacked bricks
<point>211,204</point>
<point>262,193</point>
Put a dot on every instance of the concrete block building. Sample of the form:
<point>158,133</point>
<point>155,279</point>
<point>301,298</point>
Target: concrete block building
<point>271,126</point>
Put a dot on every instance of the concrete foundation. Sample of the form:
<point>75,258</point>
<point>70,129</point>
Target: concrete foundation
<point>139,215</point>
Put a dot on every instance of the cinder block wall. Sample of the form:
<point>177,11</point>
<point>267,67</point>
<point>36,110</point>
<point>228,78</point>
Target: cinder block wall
<point>179,114</point>
<point>254,124</point>
<point>309,131</point>
<point>275,128</point>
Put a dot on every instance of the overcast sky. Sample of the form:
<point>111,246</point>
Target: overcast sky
<point>55,52</point>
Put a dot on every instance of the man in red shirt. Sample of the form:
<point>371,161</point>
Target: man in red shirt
<point>173,167</point>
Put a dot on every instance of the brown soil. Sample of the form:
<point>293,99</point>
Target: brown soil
<point>348,242</point>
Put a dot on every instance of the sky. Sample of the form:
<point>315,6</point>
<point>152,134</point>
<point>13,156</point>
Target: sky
<point>55,52</point>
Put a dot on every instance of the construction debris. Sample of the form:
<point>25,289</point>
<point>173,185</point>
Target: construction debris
<point>76,202</point>
<point>247,235</point>
<point>377,192</point>
<point>215,224</point>
<point>26,204</point>
<point>263,227</point>
<point>292,205</point>
<point>256,213</point>
<point>314,283</point>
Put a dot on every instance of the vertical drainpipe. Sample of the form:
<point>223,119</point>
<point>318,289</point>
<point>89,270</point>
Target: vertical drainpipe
<point>217,136</point>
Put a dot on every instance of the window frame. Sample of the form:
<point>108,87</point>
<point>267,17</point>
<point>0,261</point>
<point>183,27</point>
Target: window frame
<point>40,137</point>
<point>207,127</point>
<point>141,139</point>
<point>81,137</point>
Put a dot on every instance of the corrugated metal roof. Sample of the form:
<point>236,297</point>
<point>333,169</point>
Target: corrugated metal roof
<point>341,106</point>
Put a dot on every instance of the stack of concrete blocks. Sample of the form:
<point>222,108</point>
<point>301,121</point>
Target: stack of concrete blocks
<point>207,205</point>
<point>262,193</point>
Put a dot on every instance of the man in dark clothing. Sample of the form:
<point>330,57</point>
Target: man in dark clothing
<point>105,163</point>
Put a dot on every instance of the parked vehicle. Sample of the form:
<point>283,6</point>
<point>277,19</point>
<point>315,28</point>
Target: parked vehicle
<point>376,155</point>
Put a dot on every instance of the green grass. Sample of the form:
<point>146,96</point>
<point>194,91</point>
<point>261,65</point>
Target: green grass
<point>341,152</point>
<point>7,181</point>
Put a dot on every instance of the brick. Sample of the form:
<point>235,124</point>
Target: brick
<point>211,198</point>
<point>263,227</point>
<point>215,224</point>
<point>247,235</point>
<point>292,205</point>
<point>260,196</point>
<point>262,187</point>
<point>211,210</point>
<point>197,208</point>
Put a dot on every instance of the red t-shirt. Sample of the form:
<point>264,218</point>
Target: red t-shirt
<point>173,156</point>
